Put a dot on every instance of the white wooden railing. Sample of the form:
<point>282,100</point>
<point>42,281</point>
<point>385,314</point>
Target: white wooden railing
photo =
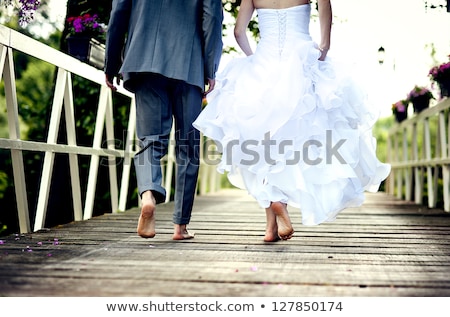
<point>68,66</point>
<point>419,152</point>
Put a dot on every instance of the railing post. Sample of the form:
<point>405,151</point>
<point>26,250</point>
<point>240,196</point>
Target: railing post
<point>71,140</point>
<point>103,112</point>
<point>430,182</point>
<point>390,158</point>
<point>418,173</point>
<point>63,97</point>
<point>444,135</point>
<point>407,171</point>
<point>12,107</point>
<point>170,163</point>
<point>398,173</point>
<point>127,160</point>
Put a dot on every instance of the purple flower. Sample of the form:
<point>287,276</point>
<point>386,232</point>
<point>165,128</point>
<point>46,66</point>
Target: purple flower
<point>26,10</point>
<point>419,91</point>
<point>440,72</point>
<point>78,25</point>
<point>85,24</point>
<point>399,106</point>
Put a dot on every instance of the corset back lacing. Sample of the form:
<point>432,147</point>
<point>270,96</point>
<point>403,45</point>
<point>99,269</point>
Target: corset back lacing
<point>282,16</point>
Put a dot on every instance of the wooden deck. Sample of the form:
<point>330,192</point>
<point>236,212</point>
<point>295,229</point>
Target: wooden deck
<point>386,248</point>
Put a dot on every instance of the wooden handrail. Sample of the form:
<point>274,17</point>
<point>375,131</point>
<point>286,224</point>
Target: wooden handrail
<point>417,149</point>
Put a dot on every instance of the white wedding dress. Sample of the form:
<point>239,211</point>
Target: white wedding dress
<point>292,128</point>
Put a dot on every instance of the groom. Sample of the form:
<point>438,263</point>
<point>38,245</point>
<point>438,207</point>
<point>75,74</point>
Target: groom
<point>166,52</point>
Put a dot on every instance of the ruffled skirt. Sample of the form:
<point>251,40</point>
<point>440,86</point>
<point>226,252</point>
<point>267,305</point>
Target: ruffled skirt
<point>294,129</point>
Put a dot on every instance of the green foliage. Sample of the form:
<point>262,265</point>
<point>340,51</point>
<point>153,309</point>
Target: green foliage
<point>34,95</point>
<point>3,116</point>
<point>3,183</point>
<point>380,132</point>
<point>2,228</point>
<point>232,7</point>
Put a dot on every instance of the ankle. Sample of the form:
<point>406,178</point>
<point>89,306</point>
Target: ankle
<point>148,196</point>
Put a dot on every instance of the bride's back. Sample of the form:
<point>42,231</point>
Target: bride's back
<point>277,4</point>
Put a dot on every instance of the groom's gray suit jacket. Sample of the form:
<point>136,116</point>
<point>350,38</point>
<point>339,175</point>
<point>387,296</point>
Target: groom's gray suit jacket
<point>161,37</point>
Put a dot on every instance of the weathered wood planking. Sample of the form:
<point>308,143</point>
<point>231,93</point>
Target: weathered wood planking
<point>387,247</point>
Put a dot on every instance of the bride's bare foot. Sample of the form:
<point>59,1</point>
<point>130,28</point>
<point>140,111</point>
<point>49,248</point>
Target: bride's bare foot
<point>146,224</point>
<point>271,227</point>
<point>285,229</point>
<point>180,232</point>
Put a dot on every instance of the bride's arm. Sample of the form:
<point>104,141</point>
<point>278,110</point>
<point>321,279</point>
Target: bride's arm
<point>325,18</point>
<point>240,29</point>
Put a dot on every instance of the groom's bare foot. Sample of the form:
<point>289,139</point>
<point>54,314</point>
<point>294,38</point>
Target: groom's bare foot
<point>271,227</point>
<point>285,229</point>
<point>180,232</point>
<point>146,224</point>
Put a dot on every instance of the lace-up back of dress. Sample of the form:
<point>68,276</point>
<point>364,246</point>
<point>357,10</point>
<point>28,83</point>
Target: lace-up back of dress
<point>280,27</point>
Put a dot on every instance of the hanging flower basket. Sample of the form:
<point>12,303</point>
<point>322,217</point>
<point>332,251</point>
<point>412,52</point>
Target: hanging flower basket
<point>420,103</point>
<point>441,75</point>
<point>444,87</point>
<point>420,98</point>
<point>87,50</point>
<point>401,116</point>
<point>83,43</point>
<point>400,110</point>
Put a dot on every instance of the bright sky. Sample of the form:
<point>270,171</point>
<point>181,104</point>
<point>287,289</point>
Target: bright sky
<point>58,9</point>
<point>360,27</point>
<point>405,30</point>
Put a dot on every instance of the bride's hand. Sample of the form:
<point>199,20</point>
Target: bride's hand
<point>323,54</point>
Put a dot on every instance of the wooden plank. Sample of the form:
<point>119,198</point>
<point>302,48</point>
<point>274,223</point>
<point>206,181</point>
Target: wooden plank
<point>384,248</point>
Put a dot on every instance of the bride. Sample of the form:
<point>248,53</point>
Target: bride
<point>293,128</point>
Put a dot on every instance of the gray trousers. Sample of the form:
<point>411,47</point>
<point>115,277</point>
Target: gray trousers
<point>159,102</point>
